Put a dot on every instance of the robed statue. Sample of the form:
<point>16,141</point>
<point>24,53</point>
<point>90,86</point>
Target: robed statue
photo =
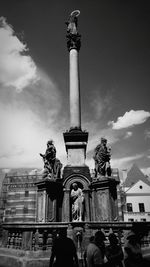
<point>102,155</point>
<point>77,203</point>
<point>73,37</point>
<point>52,165</point>
<point>72,22</point>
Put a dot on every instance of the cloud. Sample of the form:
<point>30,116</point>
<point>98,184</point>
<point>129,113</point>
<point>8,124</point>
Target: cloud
<point>30,118</point>
<point>125,162</point>
<point>27,121</point>
<point>129,119</point>
<point>128,135</point>
<point>101,103</point>
<point>44,99</point>
<point>16,68</point>
<point>23,136</point>
<point>146,171</point>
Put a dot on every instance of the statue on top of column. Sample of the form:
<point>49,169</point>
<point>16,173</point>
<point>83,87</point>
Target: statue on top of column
<point>52,165</point>
<point>102,155</point>
<point>73,37</point>
<point>72,22</point>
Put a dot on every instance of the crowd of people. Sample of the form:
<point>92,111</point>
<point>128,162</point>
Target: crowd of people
<point>97,253</point>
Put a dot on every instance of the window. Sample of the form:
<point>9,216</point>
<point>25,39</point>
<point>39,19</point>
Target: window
<point>141,207</point>
<point>129,207</point>
<point>13,211</point>
<point>8,211</point>
<point>25,209</point>
<point>26,193</point>
<point>130,220</point>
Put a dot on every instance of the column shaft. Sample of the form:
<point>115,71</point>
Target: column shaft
<point>75,111</point>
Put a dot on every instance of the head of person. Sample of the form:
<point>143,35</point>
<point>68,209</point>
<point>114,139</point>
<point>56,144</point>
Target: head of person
<point>75,186</point>
<point>132,238</point>
<point>99,237</point>
<point>113,239</point>
<point>62,233</point>
<point>91,239</point>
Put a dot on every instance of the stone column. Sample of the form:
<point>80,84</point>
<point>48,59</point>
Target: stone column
<point>74,85</point>
<point>66,206</point>
<point>41,203</point>
<point>87,216</point>
<point>73,45</point>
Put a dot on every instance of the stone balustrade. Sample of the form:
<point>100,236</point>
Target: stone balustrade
<point>37,236</point>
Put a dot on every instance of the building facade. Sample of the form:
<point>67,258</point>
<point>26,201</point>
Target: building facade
<point>137,202</point>
<point>136,196</point>
<point>19,198</point>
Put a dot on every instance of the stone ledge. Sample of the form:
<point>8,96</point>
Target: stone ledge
<point>22,253</point>
<point>19,258</point>
<point>10,261</point>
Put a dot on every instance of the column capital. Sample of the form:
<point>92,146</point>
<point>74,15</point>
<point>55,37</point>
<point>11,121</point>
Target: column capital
<point>73,41</point>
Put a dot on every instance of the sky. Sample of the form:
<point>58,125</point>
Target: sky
<point>114,65</point>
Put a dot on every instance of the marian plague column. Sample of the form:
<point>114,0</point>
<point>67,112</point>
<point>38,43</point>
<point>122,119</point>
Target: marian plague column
<point>86,198</point>
<point>76,174</point>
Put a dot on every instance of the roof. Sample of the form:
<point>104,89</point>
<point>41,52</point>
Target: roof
<point>139,187</point>
<point>134,175</point>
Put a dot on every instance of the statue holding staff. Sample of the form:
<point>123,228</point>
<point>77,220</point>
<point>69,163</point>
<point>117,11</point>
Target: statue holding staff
<point>102,155</point>
<point>52,165</point>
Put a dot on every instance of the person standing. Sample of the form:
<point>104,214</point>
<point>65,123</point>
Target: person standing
<point>63,252</point>
<point>114,252</point>
<point>96,250</point>
<point>133,252</point>
<point>91,240</point>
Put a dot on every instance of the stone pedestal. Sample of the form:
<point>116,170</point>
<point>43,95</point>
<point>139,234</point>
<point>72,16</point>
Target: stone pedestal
<point>49,196</point>
<point>104,199</point>
<point>76,143</point>
<point>75,171</point>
